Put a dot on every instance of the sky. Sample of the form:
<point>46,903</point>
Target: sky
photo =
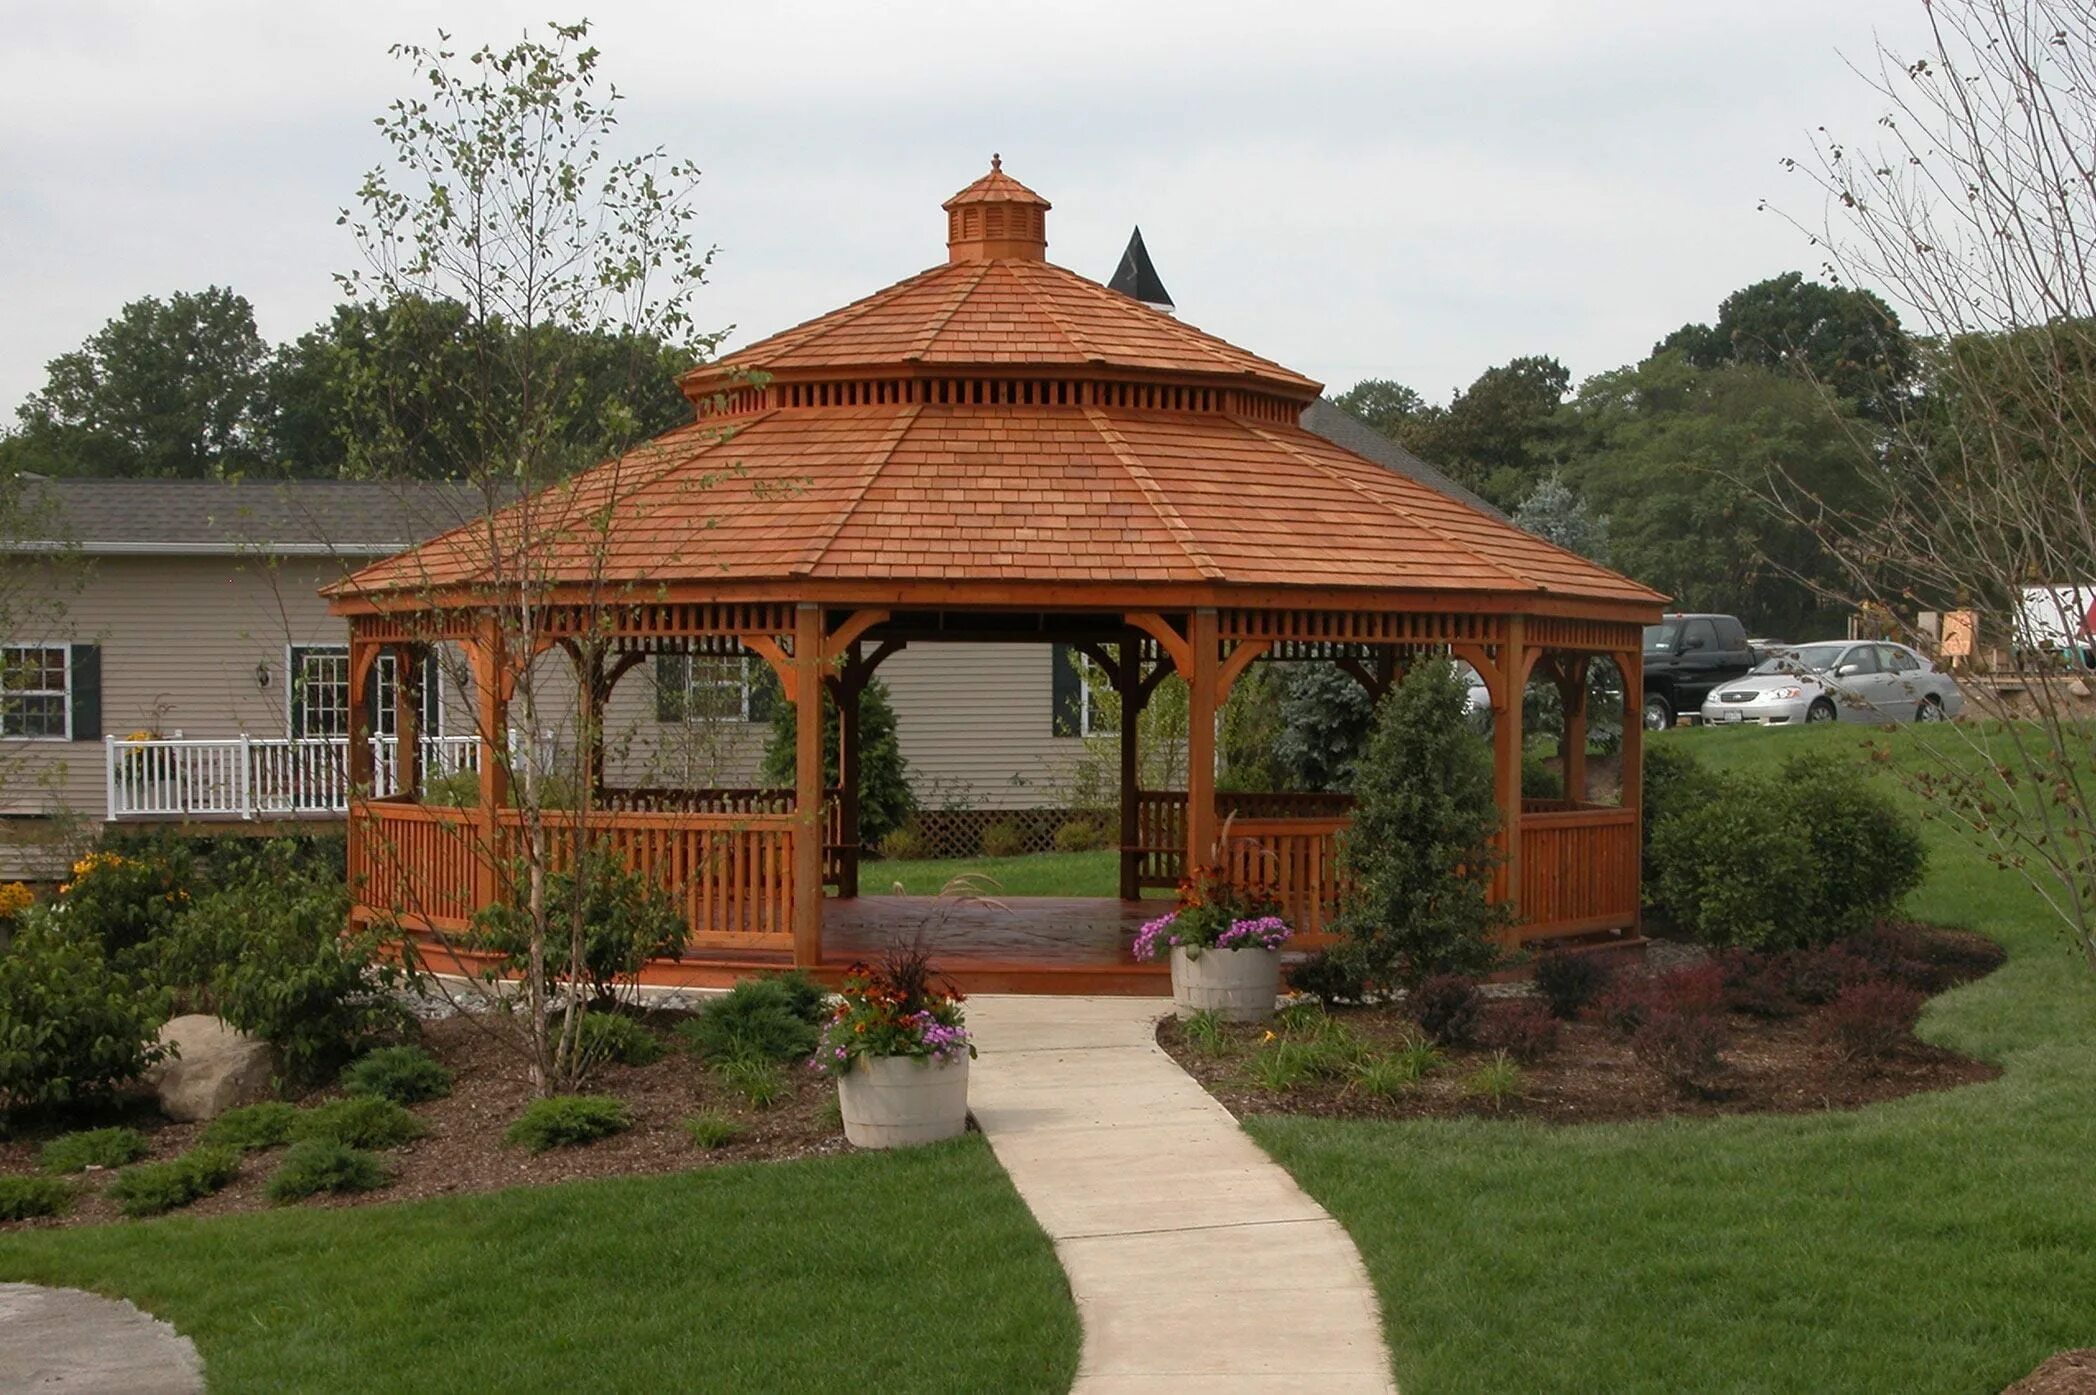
<point>1410,189</point>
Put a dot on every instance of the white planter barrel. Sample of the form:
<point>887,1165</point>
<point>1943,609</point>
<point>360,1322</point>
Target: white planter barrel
<point>901,1101</point>
<point>1237,985</point>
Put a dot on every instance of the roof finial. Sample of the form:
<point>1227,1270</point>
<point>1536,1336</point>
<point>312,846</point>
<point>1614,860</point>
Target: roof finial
<point>996,162</point>
<point>996,218</point>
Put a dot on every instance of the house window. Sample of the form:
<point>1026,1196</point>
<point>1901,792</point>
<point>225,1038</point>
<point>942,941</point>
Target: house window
<point>320,694</point>
<point>1099,707</point>
<point>35,691</point>
<point>703,687</point>
<point>1082,700</point>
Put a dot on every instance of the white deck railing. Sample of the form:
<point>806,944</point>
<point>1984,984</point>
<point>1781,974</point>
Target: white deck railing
<point>245,777</point>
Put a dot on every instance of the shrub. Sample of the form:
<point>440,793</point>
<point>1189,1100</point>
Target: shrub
<point>905,844</point>
<point>761,1082</point>
<point>26,1198</point>
<point>1674,782</point>
<point>774,1018</point>
<point>1735,870</point>
<point>1869,1021</point>
<point>253,1127</point>
<point>626,919</point>
<point>126,899</point>
<point>1696,990</point>
<point>71,1027</point>
<point>1817,976</point>
<point>77,1152</point>
<point>1757,984</point>
<point>1684,1048</point>
<point>402,1074</point>
<point>319,1165</point>
<point>267,953</point>
<point>1328,977</point>
<point>568,1121</point>
<point>1447,1007</point>
<point>1524,1030</point>
<point>1539,779</point>
<point>1496,1081</point>
<point>711,1131</point>
<point>1003,839</point>
<point>1418,858</point>
<point>1081,835</point>
<point>1568,982</point>
<point>151,1189</point>
<point>1867,852</point>
<point>886,799</point>
<point>614,1036</point>
<point>1622,1006</point>
<point>359,1121</point>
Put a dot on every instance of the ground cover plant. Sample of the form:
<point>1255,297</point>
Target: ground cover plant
<point>771,1277</point>
<point>568,1121</point>
<point>1935,1243</point>
<point>153,1188</point>
<point>86,1148</point>
<point>319,1165</point>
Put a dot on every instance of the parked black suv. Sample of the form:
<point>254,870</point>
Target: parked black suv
<point>1685,657</point>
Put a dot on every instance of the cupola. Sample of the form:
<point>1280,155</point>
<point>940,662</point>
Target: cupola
<point>995,219</point>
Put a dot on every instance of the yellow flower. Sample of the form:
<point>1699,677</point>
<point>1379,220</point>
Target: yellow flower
<point>1268,1037</point>
<point>15,898</point>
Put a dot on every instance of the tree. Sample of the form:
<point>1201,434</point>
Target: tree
<point>885,798</point>
<point>1501,434</point>
<point>1844,337</point>
<point>1418,858</point>
<point>1554,512</point>
<point>1325,718</point>
<point>1387,406</point>
<point>169,388</point>
<point>502,207</point>
<point>1975,213</point>
<point>390,369</point>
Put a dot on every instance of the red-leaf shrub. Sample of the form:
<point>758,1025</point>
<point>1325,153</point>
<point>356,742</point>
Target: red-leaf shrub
<point>1870,1021</point>
<point>1819,976</point>
<point>1684,1048</point>
<point>1569,982</point>
<point>1623,1006</point>
<point>1694,990</point>
<point>1447,1007</point>
<point>1525,1030</point>
<point>1757,984</point>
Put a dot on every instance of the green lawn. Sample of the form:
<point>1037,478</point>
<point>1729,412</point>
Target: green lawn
<point>911,1270</point>
<point>1939,1243</point>
<point>1038,874</point>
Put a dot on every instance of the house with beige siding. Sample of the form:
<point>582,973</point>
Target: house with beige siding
<point>182,667</point>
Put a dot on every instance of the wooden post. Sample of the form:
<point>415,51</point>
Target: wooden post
<point>850,687</point>
<point>1506,756</point>
<point>1128,683</point>
<point>1203,698</point>
<point>1572,749</point>
<point>407,720</point>
<point>807,785</point>
<point>358,765</point>
<point>491,716</point>
<point>1630,665</point>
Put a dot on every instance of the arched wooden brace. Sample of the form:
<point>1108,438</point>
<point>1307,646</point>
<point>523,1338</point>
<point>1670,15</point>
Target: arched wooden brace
<point>594,681</point>
<point>1390,667</point>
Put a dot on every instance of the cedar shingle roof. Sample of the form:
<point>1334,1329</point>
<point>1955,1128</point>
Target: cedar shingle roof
<point>1119,474</point>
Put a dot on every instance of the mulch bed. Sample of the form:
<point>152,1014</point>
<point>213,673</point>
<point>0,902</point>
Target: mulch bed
<point>1772,1066</point>
<point>2069,1373</point>
<point>464,1149</point>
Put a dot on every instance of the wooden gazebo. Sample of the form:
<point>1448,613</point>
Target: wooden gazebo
<point>996,449</point>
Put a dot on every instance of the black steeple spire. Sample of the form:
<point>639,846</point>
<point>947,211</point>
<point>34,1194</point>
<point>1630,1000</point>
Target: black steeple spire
<point>1137,279</point>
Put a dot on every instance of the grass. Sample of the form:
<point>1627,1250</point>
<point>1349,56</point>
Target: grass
<point>1941,1243</point>
<point>753,1277</point>
<point>1036,874</point>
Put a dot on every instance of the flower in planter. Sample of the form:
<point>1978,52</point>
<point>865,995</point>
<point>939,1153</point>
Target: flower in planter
<point>1202,927</point>
<point>901,1008</point>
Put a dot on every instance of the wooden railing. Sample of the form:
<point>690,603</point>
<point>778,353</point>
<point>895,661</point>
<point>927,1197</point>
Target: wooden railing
<point>1160,823</point>
<point>1579,871</point>
<point>1295,862</point>
<point>731,873</point>
<point>653,800</point>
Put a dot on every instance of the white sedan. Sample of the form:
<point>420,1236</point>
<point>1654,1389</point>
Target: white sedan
<point>1842,680</point>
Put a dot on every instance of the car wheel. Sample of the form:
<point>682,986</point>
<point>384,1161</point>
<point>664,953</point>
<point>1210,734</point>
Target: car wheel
<point>1659,713</point>
<point>1930,710</point>
<point>1821,711</point>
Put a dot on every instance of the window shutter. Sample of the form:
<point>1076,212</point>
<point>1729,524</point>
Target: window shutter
<point>764,689</point>
<point>1066,694</point>
<point>371,722</point>
<point>84,684</point>
<point>432,693</point>
<point>672,686</point>
<point>295,681</point>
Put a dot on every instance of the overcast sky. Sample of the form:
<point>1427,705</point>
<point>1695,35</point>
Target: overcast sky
<point>1412,189</point>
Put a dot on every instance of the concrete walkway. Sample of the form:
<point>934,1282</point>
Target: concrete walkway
<point>61,1339</point>
<point>1196,1261</point>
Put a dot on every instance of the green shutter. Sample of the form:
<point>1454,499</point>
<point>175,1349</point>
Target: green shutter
<point>1066,694</point>
<point>84,682</point>
<point>672,686</point>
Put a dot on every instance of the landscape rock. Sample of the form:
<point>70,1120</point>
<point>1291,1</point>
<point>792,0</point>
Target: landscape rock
<point>215,1068</point>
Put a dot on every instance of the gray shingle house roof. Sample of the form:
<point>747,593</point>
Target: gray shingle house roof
<point>1342,428</point>
<point>213,517</point>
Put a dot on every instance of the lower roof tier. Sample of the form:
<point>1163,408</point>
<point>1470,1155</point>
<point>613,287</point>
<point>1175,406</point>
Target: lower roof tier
<point>999,494</point>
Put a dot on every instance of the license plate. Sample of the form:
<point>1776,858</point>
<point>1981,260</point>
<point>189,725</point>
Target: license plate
<point>1733,716</point>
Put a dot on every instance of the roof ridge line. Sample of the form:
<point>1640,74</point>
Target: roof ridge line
<point>931,335</point>
<point>1388,506</point>
<point>883,454</point>
<point>1070,336</point>
<point>1139,473</point>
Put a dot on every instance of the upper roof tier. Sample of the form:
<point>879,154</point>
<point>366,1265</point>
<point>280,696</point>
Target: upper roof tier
<point>996,430</point>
